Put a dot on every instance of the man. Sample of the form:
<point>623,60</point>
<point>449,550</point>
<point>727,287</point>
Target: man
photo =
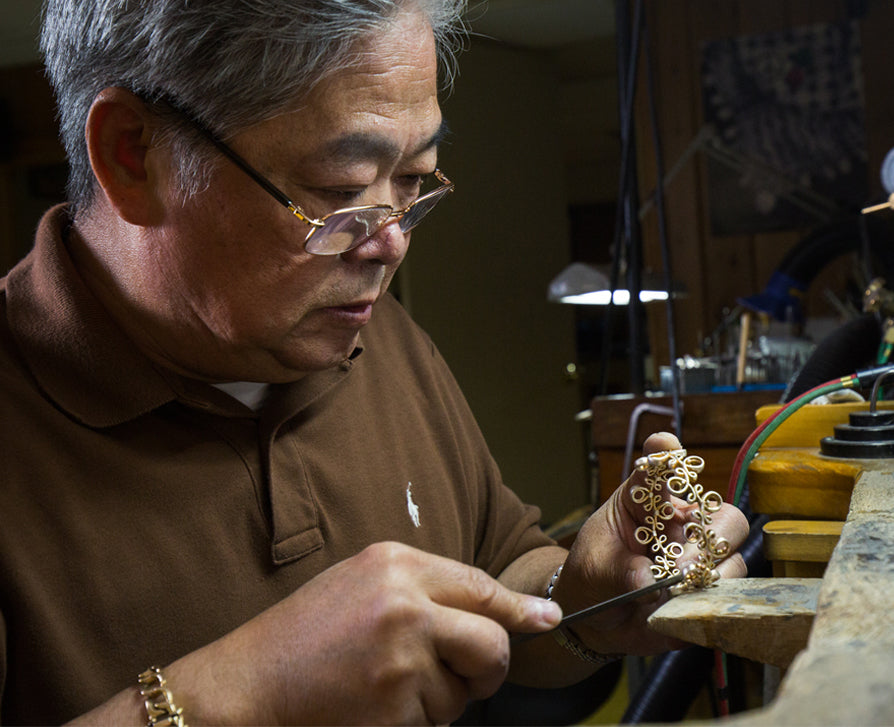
<point>229,452</point>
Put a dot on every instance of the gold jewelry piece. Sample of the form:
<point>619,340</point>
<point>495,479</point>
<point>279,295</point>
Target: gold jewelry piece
<point>159,703</point>
<point>678,472</point>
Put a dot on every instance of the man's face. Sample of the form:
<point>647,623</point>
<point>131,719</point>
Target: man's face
<point>241,299</point>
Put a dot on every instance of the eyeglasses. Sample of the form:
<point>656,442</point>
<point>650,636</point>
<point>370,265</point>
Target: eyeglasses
<point>346,228</point>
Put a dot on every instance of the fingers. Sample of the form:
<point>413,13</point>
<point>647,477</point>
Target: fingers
<point>472,590</point>
<point>657,442</point>
<point>733,567</point>
<point>454,622</point>
<point>474,654</point>
<point>473,648</point>
<point>444,696</point>
<point>426,633</point>
<point>661,441</point>
<point>730,523</point>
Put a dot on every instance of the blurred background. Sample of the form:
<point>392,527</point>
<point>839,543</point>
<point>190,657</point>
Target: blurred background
<point>774,118</point>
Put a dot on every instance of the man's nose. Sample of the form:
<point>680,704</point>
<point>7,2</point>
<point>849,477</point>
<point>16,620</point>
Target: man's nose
<point>387,245</point>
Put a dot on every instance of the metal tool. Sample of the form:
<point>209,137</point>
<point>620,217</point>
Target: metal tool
<point>603,606</point>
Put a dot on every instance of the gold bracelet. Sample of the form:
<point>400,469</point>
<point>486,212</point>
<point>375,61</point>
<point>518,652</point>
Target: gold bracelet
<point>159,703</point>
<point>676,471</point>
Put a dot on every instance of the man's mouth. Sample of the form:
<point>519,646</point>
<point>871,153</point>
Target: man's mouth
<point>353,314</point>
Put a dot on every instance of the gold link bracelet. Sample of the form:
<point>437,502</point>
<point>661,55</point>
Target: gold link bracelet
<point>159,703</point>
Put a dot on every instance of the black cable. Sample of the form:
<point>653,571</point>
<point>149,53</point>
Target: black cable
<point>628,56</point>
<point>662,234</point>
<point>670,686</point>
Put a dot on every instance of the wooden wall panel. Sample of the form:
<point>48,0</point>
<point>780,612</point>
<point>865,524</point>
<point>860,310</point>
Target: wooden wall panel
<point>715,269</point>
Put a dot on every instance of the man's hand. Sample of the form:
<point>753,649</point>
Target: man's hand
<point>606,560</point>
<point>393,635</point>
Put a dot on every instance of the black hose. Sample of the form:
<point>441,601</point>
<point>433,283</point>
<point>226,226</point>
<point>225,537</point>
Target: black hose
<point>848,348</point>
<point>856,233</point>
<point>516,705</point>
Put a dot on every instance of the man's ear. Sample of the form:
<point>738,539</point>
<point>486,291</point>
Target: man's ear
<point>119,135</point>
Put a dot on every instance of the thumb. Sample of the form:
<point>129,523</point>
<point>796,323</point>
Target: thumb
<point>473,590</point>
<point>661,442</point>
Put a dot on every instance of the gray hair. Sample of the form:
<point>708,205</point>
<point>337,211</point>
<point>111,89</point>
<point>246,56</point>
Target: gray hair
<point>230,63</point>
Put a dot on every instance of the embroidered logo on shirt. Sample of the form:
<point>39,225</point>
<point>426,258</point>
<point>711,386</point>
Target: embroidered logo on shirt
<point>412,507</point>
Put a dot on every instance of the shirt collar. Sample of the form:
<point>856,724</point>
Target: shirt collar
<point>81,359</point>
<point>84,361</point>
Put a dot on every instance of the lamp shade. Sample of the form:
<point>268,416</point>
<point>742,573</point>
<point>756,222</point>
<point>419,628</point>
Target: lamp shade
<point>583,284</point>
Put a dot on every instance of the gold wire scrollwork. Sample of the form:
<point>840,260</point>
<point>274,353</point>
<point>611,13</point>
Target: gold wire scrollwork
<point>678,472</point>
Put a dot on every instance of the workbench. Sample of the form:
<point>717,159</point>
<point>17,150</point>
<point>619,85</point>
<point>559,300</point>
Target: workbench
<point>833,637</point>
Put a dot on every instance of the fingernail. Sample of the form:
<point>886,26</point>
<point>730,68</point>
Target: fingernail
<point>550,612</point>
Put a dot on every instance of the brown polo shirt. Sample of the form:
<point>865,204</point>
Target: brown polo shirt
<point>143,514</point>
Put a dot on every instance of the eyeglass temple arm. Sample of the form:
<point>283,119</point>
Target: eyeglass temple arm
<point>224,149</point>
<point>272,189</point>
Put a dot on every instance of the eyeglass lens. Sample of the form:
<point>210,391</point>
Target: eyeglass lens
<point>421,208</point>
<point>343,231</point>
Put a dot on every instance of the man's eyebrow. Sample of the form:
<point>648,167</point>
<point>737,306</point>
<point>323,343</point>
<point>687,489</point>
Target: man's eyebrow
<point>436,138</point>
<point>361,147</point>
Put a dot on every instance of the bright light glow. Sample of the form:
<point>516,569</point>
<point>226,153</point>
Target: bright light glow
<point>621,297</point>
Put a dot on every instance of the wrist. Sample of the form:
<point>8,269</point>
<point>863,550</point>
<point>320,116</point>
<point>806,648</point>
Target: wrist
<point>569,640</point>
<point>554,579</point>
<point>212,688</point>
